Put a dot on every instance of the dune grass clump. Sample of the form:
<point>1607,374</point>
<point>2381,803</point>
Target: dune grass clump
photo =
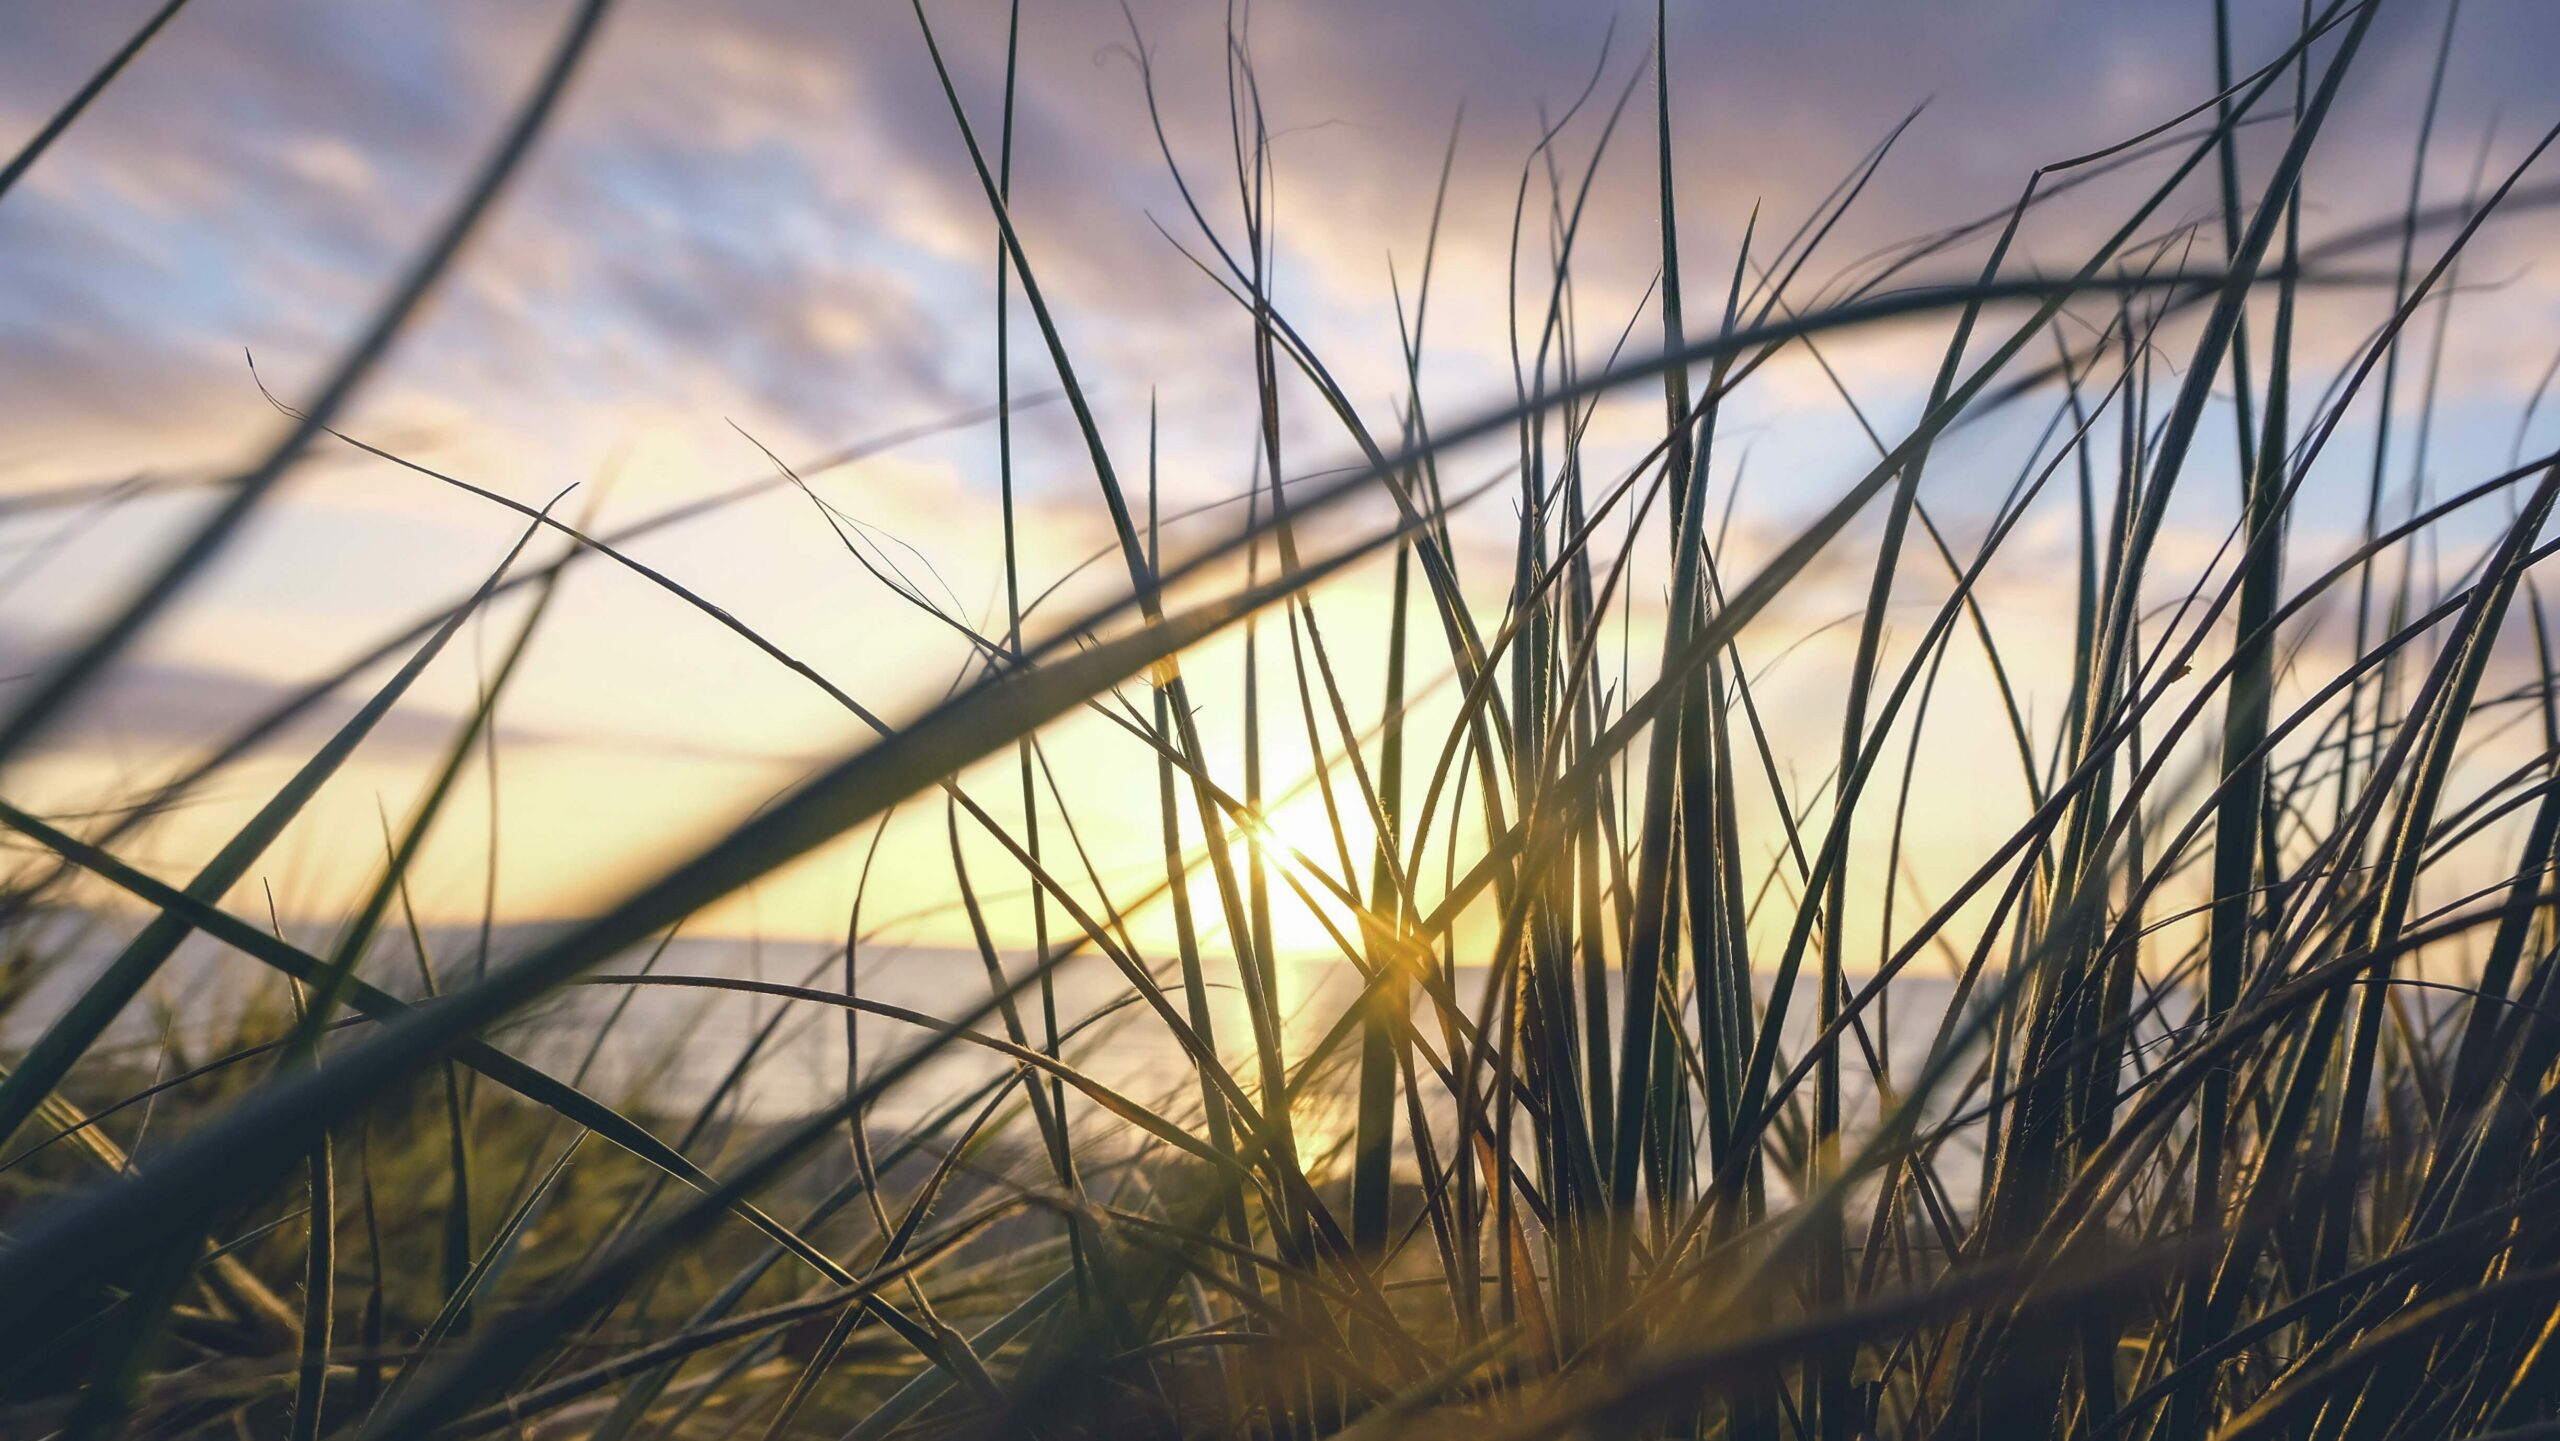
<point>2216,1102</point>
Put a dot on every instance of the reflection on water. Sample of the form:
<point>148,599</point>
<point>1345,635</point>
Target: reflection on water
<point>670,1050</point>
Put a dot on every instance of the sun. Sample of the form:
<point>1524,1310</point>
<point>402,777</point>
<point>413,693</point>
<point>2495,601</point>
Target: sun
<point>1299,843</point>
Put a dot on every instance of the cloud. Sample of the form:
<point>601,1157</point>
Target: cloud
<point>762,212</point>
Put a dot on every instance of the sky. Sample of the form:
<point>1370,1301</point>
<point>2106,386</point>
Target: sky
<point>755,226</point>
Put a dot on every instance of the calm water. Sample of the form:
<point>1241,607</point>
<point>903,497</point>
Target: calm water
<point>666,1050</point>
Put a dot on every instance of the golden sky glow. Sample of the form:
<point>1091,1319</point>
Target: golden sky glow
<point>760,230</point>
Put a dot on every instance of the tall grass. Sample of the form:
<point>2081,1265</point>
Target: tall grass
<point>2223,1103</point>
